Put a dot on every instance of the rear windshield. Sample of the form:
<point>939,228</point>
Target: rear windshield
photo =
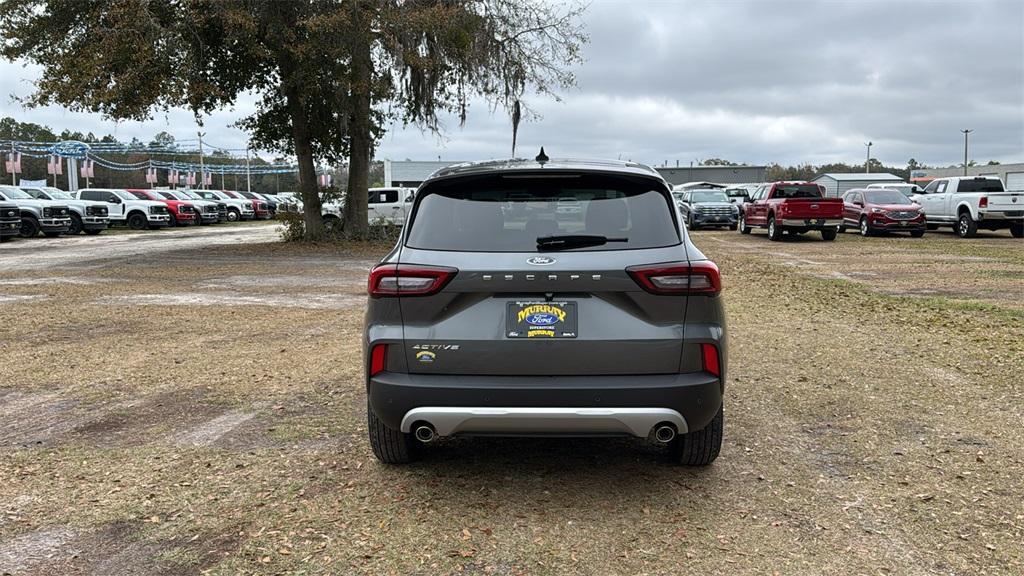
<point>885,197</point>
<point>980,185</point>
<point>797,191</point>
<point>509,213</point>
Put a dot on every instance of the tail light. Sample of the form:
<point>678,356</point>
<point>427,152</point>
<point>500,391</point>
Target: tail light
<point>408,280</point>
<point>709,353</point>
<point>378,359</point>
<point>693,278</point>
<point>983,202</point>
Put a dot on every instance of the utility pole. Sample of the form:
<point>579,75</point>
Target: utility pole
<point>248,180</point>
<point>867,163</point>
<point>202,170</point>
<point>966,132</point>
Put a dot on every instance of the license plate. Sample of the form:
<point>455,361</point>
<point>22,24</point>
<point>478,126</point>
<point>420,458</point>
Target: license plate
<point>539,319</point>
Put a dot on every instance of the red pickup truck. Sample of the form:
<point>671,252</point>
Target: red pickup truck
<point>794,207</point>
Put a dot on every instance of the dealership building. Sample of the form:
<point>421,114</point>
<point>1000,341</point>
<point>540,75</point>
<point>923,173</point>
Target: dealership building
<point>1011,174</point>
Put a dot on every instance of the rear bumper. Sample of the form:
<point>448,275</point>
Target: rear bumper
<point>584,405</point>
<point>1007,215</point>
<point>812,223</point>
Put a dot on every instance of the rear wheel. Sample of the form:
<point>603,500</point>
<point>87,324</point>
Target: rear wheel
<point>966,227</point>
<point>774,232</point>
<point>828,234</point>
<point>700,447</point>
<point>1017,230</point>
<point>234,215</point>
<point>390,446</point>
<point>172,221</point>
<point>744,229</point>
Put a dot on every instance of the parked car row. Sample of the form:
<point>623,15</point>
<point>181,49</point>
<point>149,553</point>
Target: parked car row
<point>28,211</point>
<point>965,204</point>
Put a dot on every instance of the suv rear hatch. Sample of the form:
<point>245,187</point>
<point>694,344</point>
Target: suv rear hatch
<point>536,294</point>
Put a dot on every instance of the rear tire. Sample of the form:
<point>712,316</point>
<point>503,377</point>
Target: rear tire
<point>389,446</point>
<point>1017,231</point>
<point>744,229</point>
<point>172,221</point>
<point>966,227</point>
<point>829,234</point>
<point>700,447</point>
<point>774,231</point>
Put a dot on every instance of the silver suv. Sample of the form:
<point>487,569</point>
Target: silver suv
<point>499,314</point>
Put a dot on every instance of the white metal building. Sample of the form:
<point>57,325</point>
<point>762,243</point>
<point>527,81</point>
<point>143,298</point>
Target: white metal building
<point>1012,175</point>
<point>837,184</point>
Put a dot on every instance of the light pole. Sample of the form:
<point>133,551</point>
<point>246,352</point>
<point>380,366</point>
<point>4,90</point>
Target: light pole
<point>867,162</point>
<point>202,170</point>
<point>966,132</point>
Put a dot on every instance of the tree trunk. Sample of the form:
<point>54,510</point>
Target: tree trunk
<point>311,217</point>
<point>361,140</point>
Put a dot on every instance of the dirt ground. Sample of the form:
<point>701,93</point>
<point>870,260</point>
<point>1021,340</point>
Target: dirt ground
<point>199,409</point>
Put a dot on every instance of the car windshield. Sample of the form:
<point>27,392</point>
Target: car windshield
<point>58,194</point>
<point>191,195</point>
<point>886,197</point>
<point>125,195</point>
<point>980,185</point>
<point>519,214</point>
<point>15,194</point>
<point>797,191</point>
<point>140,195</point>
<point>708,196</point>
<point>167,195</point>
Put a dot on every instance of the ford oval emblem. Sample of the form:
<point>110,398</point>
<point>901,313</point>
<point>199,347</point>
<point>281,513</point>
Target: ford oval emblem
<point>542,319</point>
<point>541,261</point>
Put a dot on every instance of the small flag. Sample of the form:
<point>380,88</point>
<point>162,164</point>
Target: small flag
<point>13,163</point>
<point>325,180</point>
<point>87,170</point>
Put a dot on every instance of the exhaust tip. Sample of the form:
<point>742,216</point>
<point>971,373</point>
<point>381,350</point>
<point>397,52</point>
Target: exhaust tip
<point>424,433</point>
<point>664,433</point>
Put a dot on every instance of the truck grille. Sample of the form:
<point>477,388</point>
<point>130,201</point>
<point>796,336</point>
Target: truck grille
<point>222,208</point>
<point>210,209</point>
<point>95,210</point>
<point>56,212</point>
<point>158,210</point>
<point>717,211</point>
<point>185,209</point>
<point>902,214</point>
<point>10,213</point>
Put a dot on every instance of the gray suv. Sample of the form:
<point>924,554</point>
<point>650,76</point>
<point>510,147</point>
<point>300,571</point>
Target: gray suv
<point>498,314</point>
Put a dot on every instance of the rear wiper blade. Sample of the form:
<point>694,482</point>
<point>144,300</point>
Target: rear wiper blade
<point>562,242</point>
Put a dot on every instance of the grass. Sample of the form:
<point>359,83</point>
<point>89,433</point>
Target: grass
<point>866,431</point>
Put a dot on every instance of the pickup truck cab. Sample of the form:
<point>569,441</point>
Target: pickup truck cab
<point>794,207</point>
<point>10,221</point>
<point>967,203</point>
<point>125,208</point>
<point>88,217</point>
<point>50,218</point>
<point>390,205</point>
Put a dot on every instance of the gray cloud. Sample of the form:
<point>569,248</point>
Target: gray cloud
<point>751,81</point>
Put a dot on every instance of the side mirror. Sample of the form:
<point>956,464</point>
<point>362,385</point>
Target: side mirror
<point>747,199</point>
<point>113,200</point>
<point>861,204</point>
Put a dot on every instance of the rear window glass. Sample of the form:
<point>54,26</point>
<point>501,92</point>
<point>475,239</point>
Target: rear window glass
<point>509,213</point>
<point>797,191</point>
<point>982,185</point>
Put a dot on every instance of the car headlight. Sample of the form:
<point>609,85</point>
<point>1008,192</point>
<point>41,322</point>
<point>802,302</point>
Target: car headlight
<point>877,211</point>
<point>47,212</point>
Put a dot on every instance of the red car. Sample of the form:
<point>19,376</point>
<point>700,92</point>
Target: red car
<point>794,207</point>
<point>182,213</point>
<point>873,210</point>
<point>261,208</point>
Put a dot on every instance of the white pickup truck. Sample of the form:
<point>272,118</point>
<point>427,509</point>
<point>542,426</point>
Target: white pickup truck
<point>968,203</point>
<point>388,206</point>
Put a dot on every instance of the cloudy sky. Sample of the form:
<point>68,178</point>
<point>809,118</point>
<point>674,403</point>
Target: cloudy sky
<point>749,81</point>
